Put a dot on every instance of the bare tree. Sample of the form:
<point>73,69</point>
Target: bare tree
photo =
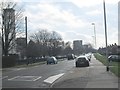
<point>41,37</point>
<point>11,25</point>
<point>48,42</point>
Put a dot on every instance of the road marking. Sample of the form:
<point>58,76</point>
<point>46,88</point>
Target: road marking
<point>36,66</point>
<point>21,68</point>
<point>25,78</point>
<point>37,78</point>
<point>3,77</point>
<point>53,78</point>
<point>13,78</point>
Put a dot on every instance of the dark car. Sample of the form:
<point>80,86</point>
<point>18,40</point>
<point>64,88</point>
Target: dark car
<point>70,56</point>
<point>52,60</point>
<point>82,61</point>
<point>113,58</point>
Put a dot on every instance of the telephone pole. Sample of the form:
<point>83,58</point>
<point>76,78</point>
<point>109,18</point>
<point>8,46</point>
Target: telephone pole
<point>26,29</point>
<point>107,65</point>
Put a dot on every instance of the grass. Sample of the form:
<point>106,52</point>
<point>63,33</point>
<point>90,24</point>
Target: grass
<point>114,66</point>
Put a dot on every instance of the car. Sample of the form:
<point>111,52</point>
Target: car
<point>114,58</point>
<point>88,56</point>
<point>52,60</point>
<point>82,61</point>
<point>70,57</point>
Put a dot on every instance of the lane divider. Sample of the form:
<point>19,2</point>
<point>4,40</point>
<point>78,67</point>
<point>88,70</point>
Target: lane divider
<point>13,78</point>
<point>3,77</point>
<point>52,79</point>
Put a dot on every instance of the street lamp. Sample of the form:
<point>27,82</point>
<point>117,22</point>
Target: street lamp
<point>94,33</point>
<point>107,66</point>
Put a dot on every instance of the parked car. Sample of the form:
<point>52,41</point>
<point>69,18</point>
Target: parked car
<point>52,60</point>
<point>115,58</point>
<point>88,56</point>
<point>70,56</point>
<point>82,61</point>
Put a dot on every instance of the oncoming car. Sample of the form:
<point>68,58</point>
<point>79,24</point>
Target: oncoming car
<point>52,60</point>
<point>82,61</point>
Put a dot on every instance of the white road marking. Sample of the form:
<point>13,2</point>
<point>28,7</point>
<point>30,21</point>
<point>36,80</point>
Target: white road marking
<point>21,68</point>
<point>37,78</point>
<point>25,78</point>
<point>53,78</point>
<point>13,78</point>
<point>36,66</point>
<point>3,77</point>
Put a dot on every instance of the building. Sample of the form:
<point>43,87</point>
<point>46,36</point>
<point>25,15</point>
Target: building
<point>77,44</point>
<point>21,47</point>
<point>77,47</point>
<point>8,17</point>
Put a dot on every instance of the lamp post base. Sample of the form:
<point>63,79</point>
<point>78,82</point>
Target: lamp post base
<point>107,68</point>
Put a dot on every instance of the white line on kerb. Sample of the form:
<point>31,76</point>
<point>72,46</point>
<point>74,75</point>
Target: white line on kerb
<point>53,78</point>
<point>13,78</point>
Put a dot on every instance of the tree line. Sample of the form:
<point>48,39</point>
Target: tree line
<point>44,43</point>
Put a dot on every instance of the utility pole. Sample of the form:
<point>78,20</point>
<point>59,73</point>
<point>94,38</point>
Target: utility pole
<point>107,66</point>
<point>26,29</point>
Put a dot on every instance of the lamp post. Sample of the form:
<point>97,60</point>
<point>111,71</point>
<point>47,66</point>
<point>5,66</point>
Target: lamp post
<point>107,66</point>
<point>94,33</point>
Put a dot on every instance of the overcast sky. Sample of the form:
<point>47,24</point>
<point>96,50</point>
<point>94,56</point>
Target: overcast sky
<point>73,19</point>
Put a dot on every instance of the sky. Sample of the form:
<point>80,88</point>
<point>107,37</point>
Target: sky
<point>73,19</point>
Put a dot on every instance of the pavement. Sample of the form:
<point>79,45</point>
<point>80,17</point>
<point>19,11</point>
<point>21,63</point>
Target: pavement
<point>94,76</point>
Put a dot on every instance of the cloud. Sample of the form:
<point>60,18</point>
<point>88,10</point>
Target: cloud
<point>72,26</point>
<point>94,12</point>
<point>53,15</point>
<point>90,3</point>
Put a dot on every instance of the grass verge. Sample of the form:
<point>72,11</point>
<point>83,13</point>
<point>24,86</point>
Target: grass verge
<point>114,66</point>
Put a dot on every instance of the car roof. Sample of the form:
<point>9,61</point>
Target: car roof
<point>82,56</point>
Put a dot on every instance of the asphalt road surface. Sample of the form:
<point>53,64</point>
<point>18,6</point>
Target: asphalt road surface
<point>36,76</point>
<point>61,75</point>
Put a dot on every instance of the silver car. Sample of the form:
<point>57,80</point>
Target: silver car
<point>82,61</point>
<point>52,60</point>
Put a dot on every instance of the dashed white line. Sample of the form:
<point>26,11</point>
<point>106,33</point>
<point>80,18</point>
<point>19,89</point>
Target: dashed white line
<point>21,68</point>
<point>37,78</point>
<point>53,78</point>
<point>13,78</point>
<point>3,77</point>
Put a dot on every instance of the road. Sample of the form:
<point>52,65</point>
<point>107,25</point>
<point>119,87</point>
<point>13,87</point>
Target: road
<point>35,76</point>
<point>61,75</point>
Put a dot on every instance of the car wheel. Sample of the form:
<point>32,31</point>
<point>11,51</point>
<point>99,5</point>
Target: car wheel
<point>88,64</point>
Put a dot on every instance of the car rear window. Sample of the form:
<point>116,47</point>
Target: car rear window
<point>81,59</point>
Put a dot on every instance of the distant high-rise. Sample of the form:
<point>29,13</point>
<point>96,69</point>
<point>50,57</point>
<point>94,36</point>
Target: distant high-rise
<point>8,18</point>
<point>77,46</point>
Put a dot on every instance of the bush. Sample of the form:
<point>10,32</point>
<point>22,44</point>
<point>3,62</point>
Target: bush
<point>9,61</point>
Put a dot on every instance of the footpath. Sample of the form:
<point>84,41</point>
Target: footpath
<point>94,76</point>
